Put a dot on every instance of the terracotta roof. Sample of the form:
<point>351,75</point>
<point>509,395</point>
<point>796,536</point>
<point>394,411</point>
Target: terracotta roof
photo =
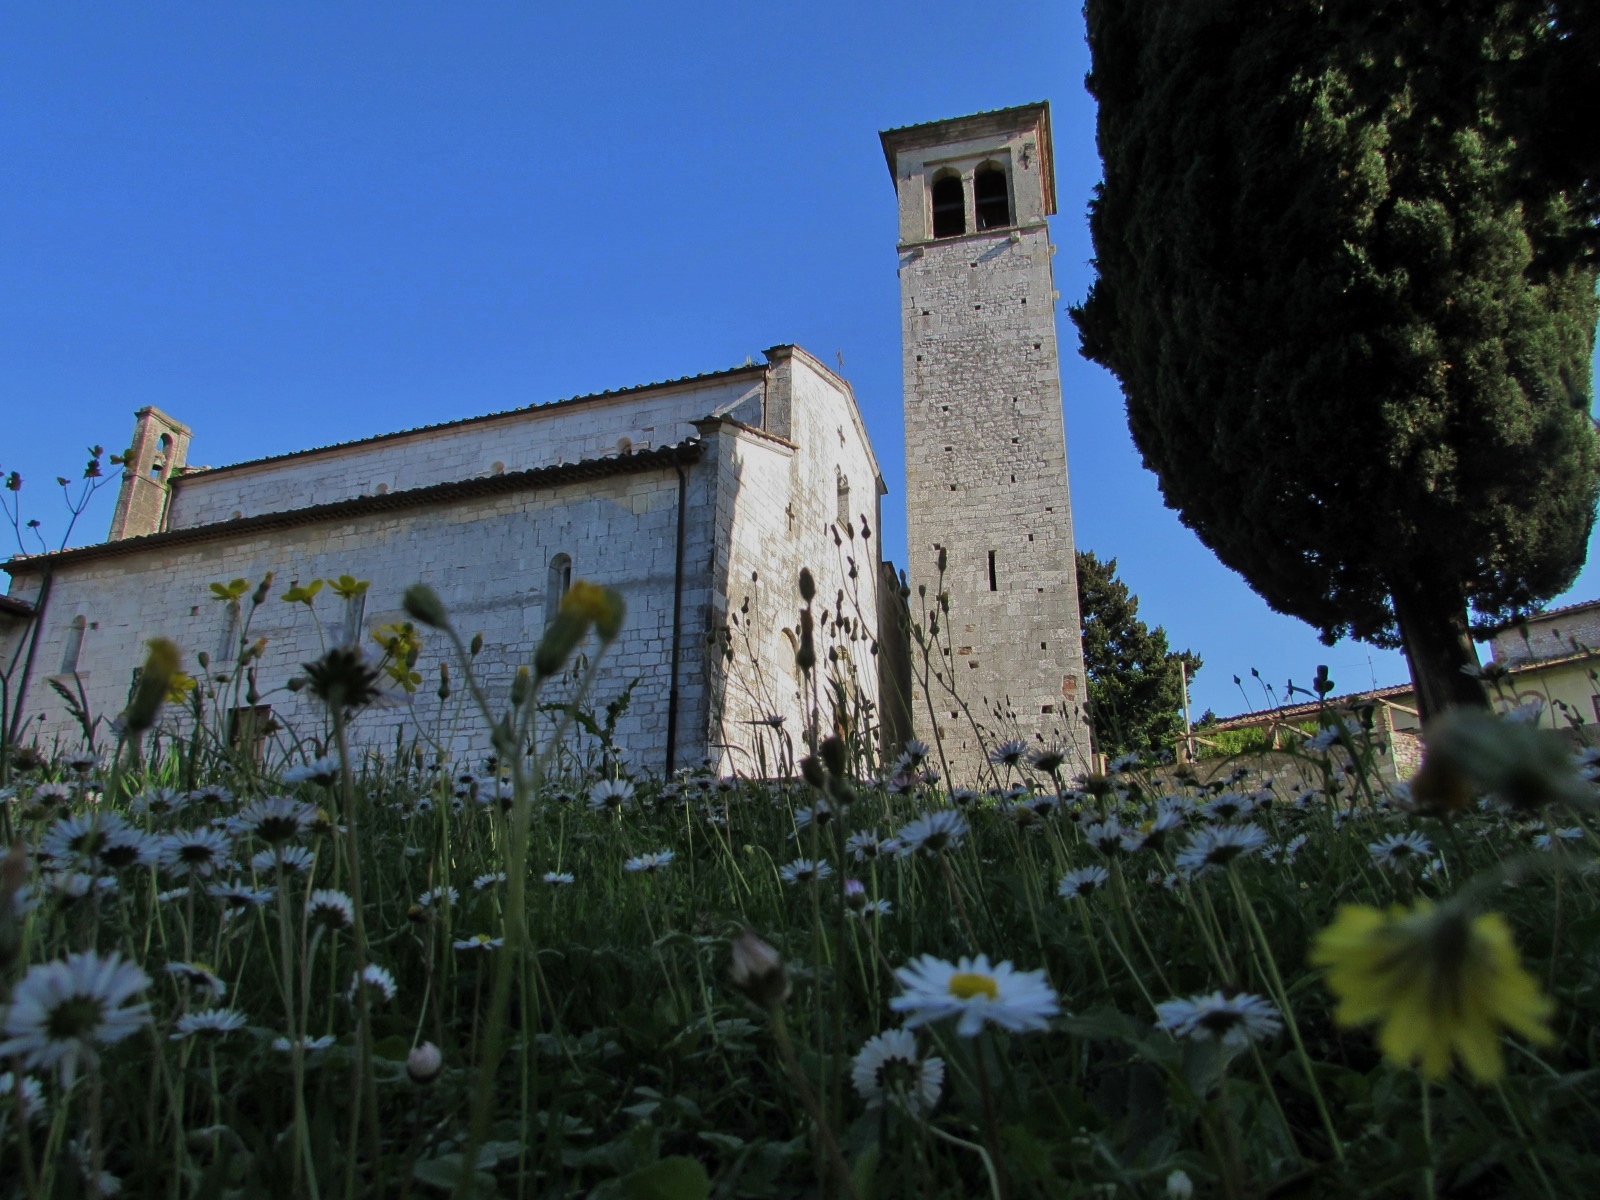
<point>1546,614</point>
<point>439,493</point>
<point>932,133</point>
<point>588,397</point>
<point>1290,713</point>
<point>15,608</point>
<point>987,112</point>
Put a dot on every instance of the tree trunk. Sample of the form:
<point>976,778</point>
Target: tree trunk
<point>1434,633</point>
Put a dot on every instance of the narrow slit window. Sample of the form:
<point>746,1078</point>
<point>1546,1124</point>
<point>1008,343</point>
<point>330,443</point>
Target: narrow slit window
<point>556,587</point>
<point>228,647</point>
<point>993,586</point>
<point>993,197</point>
<point>842,509</point>
<point>949,207</point>
<point>74,646</point>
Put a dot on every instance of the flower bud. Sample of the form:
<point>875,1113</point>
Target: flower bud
<point>833,755</point>
<point>265,586</point>
<point>811,771</point>
<point>808,585</point>
<point>1179,1185</point>
<point>561,638</point>
<point>477,645</point>
<point>424,1063</point>
<point>151,690</point>
<point>757,971</point>
<point>521,687</point>
<point>444,681</point>
<point>806,656</point>
<point>422,603</point>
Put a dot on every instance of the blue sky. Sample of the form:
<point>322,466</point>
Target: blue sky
<point>295,224</point>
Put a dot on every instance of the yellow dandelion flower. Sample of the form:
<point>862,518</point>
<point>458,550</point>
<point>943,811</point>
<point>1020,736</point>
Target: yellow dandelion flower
<point>181,685</point>
<point>1441,982</point>
<point>590,602</point>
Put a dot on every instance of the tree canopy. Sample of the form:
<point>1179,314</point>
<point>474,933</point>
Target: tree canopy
<point>1135,681</point>
<point>1352,323</point>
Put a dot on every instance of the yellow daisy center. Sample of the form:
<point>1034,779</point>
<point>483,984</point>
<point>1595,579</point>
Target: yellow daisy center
<point>967,984</point>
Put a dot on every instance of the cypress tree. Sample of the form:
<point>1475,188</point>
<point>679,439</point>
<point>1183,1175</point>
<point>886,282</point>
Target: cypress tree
<point>1135,681</point>
<point>1351,331</point>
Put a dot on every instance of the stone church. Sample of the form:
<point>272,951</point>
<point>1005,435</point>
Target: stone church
<point>699,498</point>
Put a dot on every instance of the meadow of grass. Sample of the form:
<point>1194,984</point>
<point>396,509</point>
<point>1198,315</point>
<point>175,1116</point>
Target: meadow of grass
<point>353,974</point>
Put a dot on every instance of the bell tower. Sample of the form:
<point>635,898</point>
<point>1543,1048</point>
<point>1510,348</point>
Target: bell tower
<point>157,454</point>
<point>986,451</point>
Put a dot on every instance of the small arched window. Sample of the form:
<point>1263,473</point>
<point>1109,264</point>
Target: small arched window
<point>556,587</point>
<point>949,206</point>
<point>158,467</point>
<point>993,197</point>
<point>74,646</point>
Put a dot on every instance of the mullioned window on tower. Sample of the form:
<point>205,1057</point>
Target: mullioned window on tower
<point>949,206</point>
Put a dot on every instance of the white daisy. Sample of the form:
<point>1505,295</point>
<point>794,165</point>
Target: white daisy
<point>296,860</point>
<point>61,1010</point>
<point>159,802</point>
<point>33,1104</point>
<point>1008,754</point>
<point>649,863</point>
<point>803,870</point>
<point>127,847</point>
<point>479,941</point>
<point>821,813</point>
<point>1233,1020</point>
<point>306,1042</point>
<point>974,992</point>
<point>323,771</point>
<point>1123,762</point>
<point>333,909</point>
<point>171,894</point>
<point>1218,845</point>
<point>915,752</point>
<point>212,1022</point>
<point>1105,836</point>
<point>864,844</point>
<point>236,895</point>
<point>1399,850</point>
<point>198,975</point>
<point>932,833</point>
<point>1048,759</point>
<point>75,885</point>
<point>610,795</point>
<point>211,793</point>
<point>901,785</point>
<point>79,838</point>
<point>963,797</point>
<point>559,878</point>
<point>1084,881</point>
<point>274,819</point>
<point>1548,841</point>
<point>380,984</point>
<point>488,880</point>
<point>871,908</point>
<point>437,897</point>
<point>195,852</point>
<point>1229,806</point>
<point>46,795</point>
<point>887,1069</point>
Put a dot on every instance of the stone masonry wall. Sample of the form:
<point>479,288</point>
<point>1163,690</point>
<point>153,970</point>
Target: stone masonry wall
<point>986,461</point>
<point>487,558</point>
<point>780,509</point>
<point>517,441</point>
